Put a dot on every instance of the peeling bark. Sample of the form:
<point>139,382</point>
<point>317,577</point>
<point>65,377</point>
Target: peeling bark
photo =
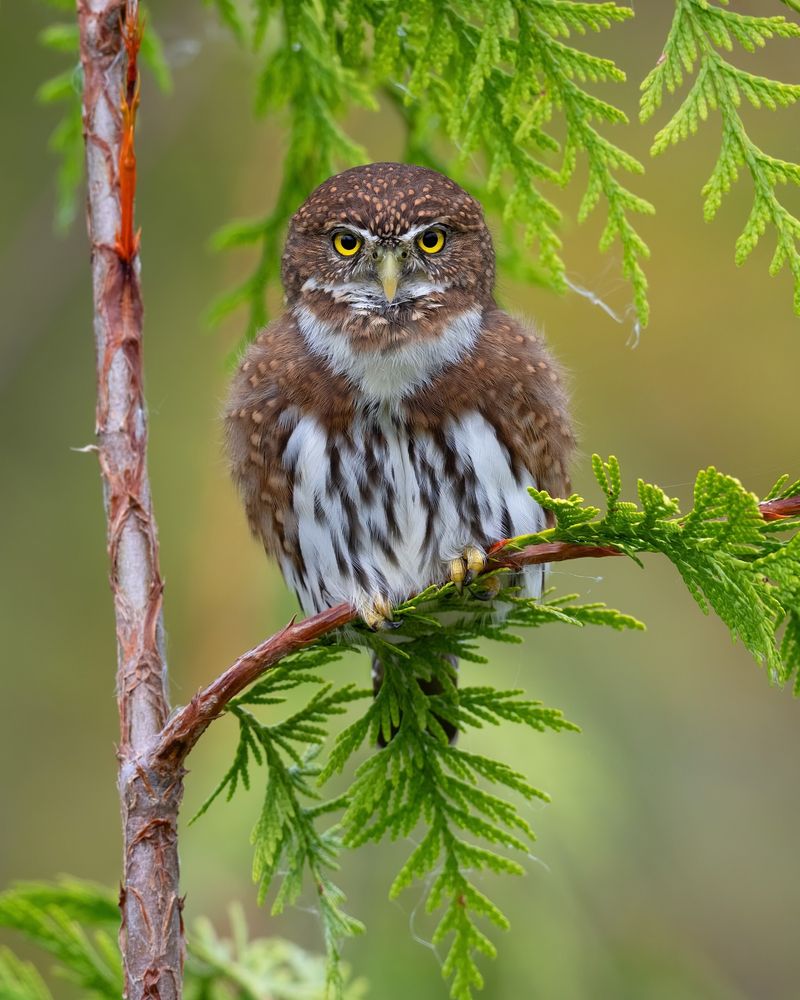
<point>151,936</point>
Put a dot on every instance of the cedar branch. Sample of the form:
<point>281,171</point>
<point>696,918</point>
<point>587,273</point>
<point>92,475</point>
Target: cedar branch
<point>188,724</point>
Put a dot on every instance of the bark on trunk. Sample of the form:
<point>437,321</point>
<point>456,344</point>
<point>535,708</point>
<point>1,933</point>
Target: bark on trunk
<point>151,936</point>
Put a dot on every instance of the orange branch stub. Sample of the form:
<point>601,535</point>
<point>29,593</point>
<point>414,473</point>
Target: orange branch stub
<point>127,242</point>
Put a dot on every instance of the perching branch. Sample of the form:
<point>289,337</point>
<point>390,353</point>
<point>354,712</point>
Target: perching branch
<point>151,936</point>
<point>186,727</point>
<point>188,724</point>
<point>776,510</point>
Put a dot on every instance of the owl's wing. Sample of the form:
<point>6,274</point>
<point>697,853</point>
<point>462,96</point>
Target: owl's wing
<point>278,383</point>
<point>511,379</point>
<point>256,437</point>
<point>528,403</point>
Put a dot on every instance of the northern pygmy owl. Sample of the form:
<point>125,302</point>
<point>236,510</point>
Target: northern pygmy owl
<point>385,429</point>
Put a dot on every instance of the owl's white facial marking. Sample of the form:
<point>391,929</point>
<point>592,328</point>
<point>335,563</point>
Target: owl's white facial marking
<point>386,376</point>
<point>368,296</point>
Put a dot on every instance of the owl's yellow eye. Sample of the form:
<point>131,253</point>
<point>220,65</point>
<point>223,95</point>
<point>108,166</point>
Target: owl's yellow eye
<point>347,244</point>
<point>432,240</point>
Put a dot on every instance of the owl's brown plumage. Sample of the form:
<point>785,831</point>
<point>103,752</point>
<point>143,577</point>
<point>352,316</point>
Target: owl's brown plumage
<point>392,416</point>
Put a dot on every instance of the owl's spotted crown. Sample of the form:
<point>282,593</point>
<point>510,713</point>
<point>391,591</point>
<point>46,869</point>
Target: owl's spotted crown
<point>388,199</point>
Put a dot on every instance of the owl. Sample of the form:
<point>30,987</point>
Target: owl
<point>384,431</point>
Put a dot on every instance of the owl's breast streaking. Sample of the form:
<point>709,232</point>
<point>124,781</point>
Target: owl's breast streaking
<point>382,509</point>
<point>366,477</point>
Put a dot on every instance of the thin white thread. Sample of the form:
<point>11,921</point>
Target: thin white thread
<point>578,576</point>
<point>595,299</point>
<point>425,888</point>
<point>538,861</point>
<point>590,296</point>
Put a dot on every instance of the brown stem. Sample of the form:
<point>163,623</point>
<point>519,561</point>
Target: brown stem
<point>186,727</point>
<point>151,937</point>
<point>189,723</point>
<point>776,510</point>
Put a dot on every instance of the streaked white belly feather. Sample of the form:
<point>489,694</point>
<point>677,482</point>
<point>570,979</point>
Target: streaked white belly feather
<point>382,512</point>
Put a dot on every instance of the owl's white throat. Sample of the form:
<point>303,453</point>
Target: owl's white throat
<point>388,376</point>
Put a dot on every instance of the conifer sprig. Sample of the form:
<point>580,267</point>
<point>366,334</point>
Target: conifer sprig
<point>561,66</point>
<point>68,918</point>
<point>56,917</point>
<point>733,561</point>
<point>287,842</point>
<point>306,75</point>
<point>20,980</point>
<point>700,32</point>
<point>418,779</point>
<point>491,78</point>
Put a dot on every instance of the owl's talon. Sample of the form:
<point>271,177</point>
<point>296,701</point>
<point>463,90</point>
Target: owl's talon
<point>476,562</point>
<point>458,573</point>
<point>470,564</point>
<point>377,615</point>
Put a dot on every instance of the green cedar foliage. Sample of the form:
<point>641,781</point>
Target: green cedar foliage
<point>700,33</point>
<point>491,92</point>
<point>495,79</point>
<point>417,780</point>
<point>733,561</point>
<point>77,923</point>
<point>463,806</point>
<point>19,980</point>
<point>286,839</point>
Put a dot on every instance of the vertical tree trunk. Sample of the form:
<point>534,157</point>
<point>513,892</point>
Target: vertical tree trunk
<point>151,936</point>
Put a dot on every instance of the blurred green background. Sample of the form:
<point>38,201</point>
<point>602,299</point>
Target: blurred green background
<point>666,865</point>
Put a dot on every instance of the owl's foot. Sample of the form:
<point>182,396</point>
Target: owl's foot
<point>469,564</point>
<point>377,614</point>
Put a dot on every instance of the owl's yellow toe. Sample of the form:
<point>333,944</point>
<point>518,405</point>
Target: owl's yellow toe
<point>377,614</point>
<point>469,564</point>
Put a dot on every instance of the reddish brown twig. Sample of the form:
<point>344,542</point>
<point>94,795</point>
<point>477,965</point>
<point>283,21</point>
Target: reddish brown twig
<point>127,239</point>
<point>185,728</point>
<point>188,724</point>
<point>777,510</point>
<point>151,936</point>
<point>547,552</point>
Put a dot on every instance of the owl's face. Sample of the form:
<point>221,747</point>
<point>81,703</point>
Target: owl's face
<point>388,242</point>
<point>379,273</point>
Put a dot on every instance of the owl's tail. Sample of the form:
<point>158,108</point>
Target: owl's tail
<point>429,687</point>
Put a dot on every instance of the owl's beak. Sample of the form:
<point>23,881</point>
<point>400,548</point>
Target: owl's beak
<point>388,273</point>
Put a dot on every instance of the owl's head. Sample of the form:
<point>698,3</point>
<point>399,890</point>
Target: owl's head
<point>389,239</point>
